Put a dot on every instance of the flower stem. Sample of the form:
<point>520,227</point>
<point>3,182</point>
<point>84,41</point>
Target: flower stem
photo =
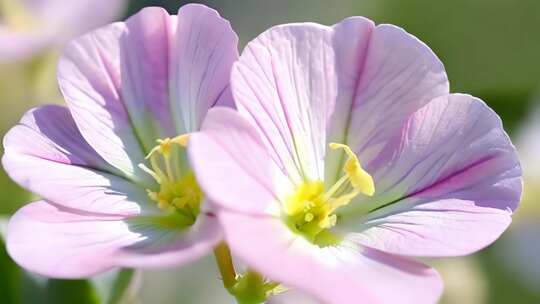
<point>247,288</point>
<point>223,257</point>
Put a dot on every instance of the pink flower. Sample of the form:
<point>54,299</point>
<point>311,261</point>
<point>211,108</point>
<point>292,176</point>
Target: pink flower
<point>111,197</point>
<point>30,26</point>
<point>348,158</point>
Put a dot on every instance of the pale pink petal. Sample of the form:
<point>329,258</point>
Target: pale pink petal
<point>203,52</point>
<point>174,68</point>
<point>55,242</point>
<point>62,243</point>
<point>285,84</point>
<point>354,80</point>
<point>338,274</point>
<point>159,247</point>
<point>152,77</point>
<point>443,227</point>
<point>89,78</point>
<point>448,185</point>
<point>399,75</point>
<point>232,165</point>
<point>46,154</point>
<point>351,40</point>
<point>143,56</point>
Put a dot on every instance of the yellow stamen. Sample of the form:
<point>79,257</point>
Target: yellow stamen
<point>182,140</point>
<point>150,172</point>
<point>360,179</point>
<point>165,145</point>
<point>178,189</point>
<point>310,210</point>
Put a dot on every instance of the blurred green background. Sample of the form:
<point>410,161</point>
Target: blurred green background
<point>490,49</point>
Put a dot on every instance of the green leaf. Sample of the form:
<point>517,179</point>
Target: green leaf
<point>70,291</point>
<point>10,276</point>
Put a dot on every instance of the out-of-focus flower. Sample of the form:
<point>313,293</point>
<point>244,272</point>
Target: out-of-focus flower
<point>348,156</point>
<point>464,280</point>
<point>30,26</point>
<point>519,250</point>
<point>110,196</point>
<point>519,253</point>
<point>529,151</point>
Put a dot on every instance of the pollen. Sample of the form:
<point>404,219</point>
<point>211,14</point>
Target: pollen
<point>310,210</point>
<point>177,191</point>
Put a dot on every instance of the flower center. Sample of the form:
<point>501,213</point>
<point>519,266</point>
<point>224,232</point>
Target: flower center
<point>178,191</point>
<point>310,210</point>
<point>14,15</point>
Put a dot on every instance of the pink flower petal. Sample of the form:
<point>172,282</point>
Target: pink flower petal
<point>445,227</point>
<point>232,165</point>
<point>62,243</point>
<point>169,247</point>
<point>448,185</point>
<point>356,81</point>
<point>399,75</point>
<point>203,53</point>
<point>46,154</point>
<point>89,78</point>
<point>342,274</point>
<point>143,58</point>
<point>154,76</point>
<point>351,40</point>
<point>285,84</point>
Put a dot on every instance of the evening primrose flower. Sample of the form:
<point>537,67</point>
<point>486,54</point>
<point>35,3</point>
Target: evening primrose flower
<point>347,158</point>
<point>27,27</point>
<point>112,168</point>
